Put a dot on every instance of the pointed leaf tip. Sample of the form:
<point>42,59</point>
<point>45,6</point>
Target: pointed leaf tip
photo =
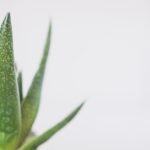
<point>7,18</point>
<point>8,15</point>
<point>9,97</point>
<point>37,141</point>
<point>30,104</point>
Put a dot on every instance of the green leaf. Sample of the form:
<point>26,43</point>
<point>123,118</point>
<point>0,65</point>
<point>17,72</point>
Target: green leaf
<point>30,105</point>
<point>34,143</point>
<point>10,119</point>
<point>19,79</point>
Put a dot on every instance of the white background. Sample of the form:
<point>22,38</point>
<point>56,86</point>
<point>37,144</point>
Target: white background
<point>100,52</point>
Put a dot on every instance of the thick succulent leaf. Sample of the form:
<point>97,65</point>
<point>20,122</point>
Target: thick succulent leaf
<point>20,86</point>
<point>34,143</point>
<point>30,105</point>
<point>19,81</point>
<point>10,119</point>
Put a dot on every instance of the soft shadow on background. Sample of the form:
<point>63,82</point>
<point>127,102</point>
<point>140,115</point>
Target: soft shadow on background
<point>100,51</point>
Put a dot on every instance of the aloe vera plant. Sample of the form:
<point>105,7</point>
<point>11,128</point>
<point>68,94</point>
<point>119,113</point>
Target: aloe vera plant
<point>18,113</point>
